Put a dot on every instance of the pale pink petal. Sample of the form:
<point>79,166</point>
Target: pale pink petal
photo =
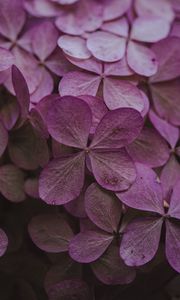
<point>173,244</point>
<point>115,8</point>
<point>103,208</point>
<point>120,93</point>
<point>145,193</point>
<point>69,121</point>
<point>140,241</point>
<point>119,27</point>
<point>160,8</point>
<point>44,40</point>
<point>50,232</point>
<point>141,59</point>
<point>106,46</point>
<point>90,64</point>
<point>168,131</point>
<point>113,170</point>
<point>6,59</point>
<point>119,68</point>
<point>74,46</point>
<point>78,83</point>
<point>42,8</point>
<point>54,187</point>
<point>88,246</point>
<point>149,29</point>
<point>149,148</point>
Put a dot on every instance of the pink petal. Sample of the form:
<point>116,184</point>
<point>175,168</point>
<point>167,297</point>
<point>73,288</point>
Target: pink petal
<point>106,46</point>
<point>57,189</point>
<point>169,176</point>
<point>173,245</point>
<point>166,100</point>
<point>120,93</point>
<point>119,68</point>
<point>50,232</point>
<point>88,246</point>
<point>69,121</point>
<point>140,241</point>
<point>110,268</point>
<point>3,138</point>
<point>145,193</point>
<point>98,109</point>
<point>160,8</point>
<point>22,91</point>
<point>12,18</point>
<point>85,16</point>
<point>115,8</point>
<point>74,46</point>
<point>118,128</point>
<point>78,83</point>
<point>168,131</point>
<point>174,209</point>
<point>3,242</point>
<point>44,40</point>
<point>168,56</point>
<point>42,8</point>
<point>46,86</point>
<point>27,149</point>
<point>113,170</point>
<point>103,208</point>
<point>12,183</point>
<point>90,64</point>
<point>141,59</point>
<point>119,27</point>
<point>149,29</point>
<point>6,59</point>
<point>149,148</point>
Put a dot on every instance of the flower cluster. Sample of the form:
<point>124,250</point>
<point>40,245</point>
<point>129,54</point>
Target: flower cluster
<point>89,149</point>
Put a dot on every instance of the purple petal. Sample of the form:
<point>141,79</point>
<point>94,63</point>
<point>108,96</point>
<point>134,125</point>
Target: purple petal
<point>55,187</point>
<point>78,83</point>
<point>74,46</point>
<point>146,108</point>
<point>70,289</point>
<point>98,109</point>
<point>150,29</point>
<point>3,242</point>
<point>88,246</point>
<point>145,193</point>
<point>141,59</point>
<point>174,208</point>
<point>44,40</point>
<point>168,56</point>
<point>50,232</point>
<point>169,176</point>
<point>103,208</point>
<point>12,183</point>
<point>90,64</point>
<point>113,170</point>
<point>168,131</point>
<point>76,207</point>
<point>6,59</point>
<point>69,121</point>
<point>110,268</point>
<point>22,91</point>
<point>140,241</point>
<point>12,18</point>
<point>115,8</point>
<point>106,46</point>
<point>37,122</point>
<point>58,64</point>
<point>173,245</point>
<point>119,68</point>
<point>118,128</point>
<point>9,112</point>
<point>3,138</point>
<point>166,100</point>
<point>27,149</point>
<point>144,148</point>
<point>162,9</point>
<point>120,93</point>
<point>119,27</point>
